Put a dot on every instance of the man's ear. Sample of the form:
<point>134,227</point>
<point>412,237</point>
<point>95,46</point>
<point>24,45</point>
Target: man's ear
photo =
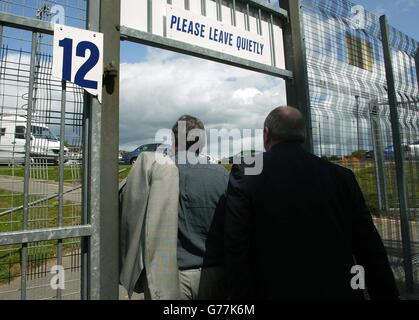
<point>266,133</point>
<point>266,137</point>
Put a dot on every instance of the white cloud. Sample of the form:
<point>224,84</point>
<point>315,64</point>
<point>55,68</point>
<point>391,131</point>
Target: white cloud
<point>246,96</point>
<point>156,91</point>
<point>407,5</point>
<point>379,10</point>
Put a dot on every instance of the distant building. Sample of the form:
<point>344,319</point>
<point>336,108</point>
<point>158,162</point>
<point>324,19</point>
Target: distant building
<point>346,72</point>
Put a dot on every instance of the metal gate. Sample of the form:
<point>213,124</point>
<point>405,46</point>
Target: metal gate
<point>59,194</point>
<point>47,243</point>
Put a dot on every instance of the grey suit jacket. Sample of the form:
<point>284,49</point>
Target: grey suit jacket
<point>149,228</point>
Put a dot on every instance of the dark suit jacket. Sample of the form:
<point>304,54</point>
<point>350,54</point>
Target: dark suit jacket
<point>296,230</point>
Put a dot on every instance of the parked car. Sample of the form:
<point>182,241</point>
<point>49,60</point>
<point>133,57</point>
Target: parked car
<point>389,152</point>
<point>413,150</point>
<point>410,151</point>
<point>368,155</point>
<point>44,144</point>
<point>74,162</point>
<point>131,157</point>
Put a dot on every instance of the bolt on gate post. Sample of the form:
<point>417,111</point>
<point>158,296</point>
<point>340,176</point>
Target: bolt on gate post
<point>417,64</point>
<point>102,150</point>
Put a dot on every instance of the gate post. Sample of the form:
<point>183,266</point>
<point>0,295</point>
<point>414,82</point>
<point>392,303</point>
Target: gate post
<point>102,195</point>
<point>398,156</point>
<point>377,142</point>
<point>417,64</point>
<point>295,60</point>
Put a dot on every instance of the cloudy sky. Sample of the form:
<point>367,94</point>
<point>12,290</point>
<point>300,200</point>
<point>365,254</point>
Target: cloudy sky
<point>402,14</point>
<point>158,86</point>
<point>161,86</point>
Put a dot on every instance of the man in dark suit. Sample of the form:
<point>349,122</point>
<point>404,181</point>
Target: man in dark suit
<point>297,230</point>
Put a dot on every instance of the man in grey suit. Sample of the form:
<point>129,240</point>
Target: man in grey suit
<point>149,223</point>
<point>172,221</point>
<point>202,189</point>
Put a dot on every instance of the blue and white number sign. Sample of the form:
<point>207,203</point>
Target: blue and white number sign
<point>78,58</point>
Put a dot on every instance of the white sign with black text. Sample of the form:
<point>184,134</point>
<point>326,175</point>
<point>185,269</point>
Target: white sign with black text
<point>185,26</point>
<point>78,58</point>
<point>243,32</point>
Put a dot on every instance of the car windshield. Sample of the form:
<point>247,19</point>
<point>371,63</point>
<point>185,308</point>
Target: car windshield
<point>43,133</point>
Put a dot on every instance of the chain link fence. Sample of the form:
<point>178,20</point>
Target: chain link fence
<point>351,116</point>
<point>40,189</point>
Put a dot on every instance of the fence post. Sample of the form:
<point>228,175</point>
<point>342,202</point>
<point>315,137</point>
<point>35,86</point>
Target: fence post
<point>378,148</point>
<point>27,168</point>
<point>398,155</point>
<point>295,59</point>
<point>417,64</point>
<point>104,16</point>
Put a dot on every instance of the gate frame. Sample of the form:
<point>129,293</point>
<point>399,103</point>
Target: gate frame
<point>102,164</point>
<point>99,232</point>
<point>26,236</point>
<point>298,91</point>
<point>417,64</point>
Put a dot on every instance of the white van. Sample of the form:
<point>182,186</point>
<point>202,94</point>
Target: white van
<point>44,144</point>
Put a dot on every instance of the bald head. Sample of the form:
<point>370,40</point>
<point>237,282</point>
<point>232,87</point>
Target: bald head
<point>284,124</point>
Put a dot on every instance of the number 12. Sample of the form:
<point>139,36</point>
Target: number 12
<point>82,47</point>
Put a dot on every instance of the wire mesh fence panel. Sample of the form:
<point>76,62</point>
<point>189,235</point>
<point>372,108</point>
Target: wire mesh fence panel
<point>70,12</point>
<point>409,123</point>
<point>42,270</point>
<point>412,177</point>
<point>40,186</point>
<point>350,122</point>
